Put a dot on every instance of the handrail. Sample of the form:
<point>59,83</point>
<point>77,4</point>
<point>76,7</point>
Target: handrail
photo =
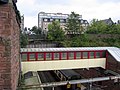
<point>55,84</point>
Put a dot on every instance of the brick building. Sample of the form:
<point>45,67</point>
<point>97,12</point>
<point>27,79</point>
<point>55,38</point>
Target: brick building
<point>9,45</point>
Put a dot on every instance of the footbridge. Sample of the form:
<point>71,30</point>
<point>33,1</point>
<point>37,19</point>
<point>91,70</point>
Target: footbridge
<point>42,59</point>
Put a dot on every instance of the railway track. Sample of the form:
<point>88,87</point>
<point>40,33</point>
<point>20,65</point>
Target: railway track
<point>48,77</point>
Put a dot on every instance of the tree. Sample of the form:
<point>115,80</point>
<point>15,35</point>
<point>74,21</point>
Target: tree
<point>55,32</point>
<point>113,29</point>
<point>36,30</point>
<point>73,24</point>
<point>37,33</point>
<point>23,40</point>
<point>100,27</point>
<point>97,27</point>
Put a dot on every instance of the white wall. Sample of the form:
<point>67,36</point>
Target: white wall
<point>62,64</point>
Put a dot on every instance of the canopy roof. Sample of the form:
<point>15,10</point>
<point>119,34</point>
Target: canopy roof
<point>114,51</point>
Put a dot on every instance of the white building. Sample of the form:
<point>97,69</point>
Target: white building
<point>22,23</point>
<point>44,19</point>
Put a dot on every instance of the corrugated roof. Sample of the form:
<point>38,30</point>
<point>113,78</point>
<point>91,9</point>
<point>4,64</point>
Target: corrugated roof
<point>63,49</point>
<point>114,51</point>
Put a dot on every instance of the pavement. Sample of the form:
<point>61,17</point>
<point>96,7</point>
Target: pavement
<point>32,80</point>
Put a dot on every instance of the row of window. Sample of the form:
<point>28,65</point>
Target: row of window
<point>61,55</point>
<point>62,20</point>
<point>50,20</point>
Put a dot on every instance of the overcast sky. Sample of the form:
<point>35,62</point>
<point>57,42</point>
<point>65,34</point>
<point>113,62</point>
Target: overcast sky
<point>89,9</point>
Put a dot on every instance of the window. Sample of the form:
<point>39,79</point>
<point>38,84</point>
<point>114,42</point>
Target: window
<point>48,20</point>
<point>97,54</point>
<point>65,20</point>
<point>81,21</point>
<point>48,56</point>
<point>45,20</point>
<point>64,55</point>
<point>71,55</point>
<point>3,1</point>
<point>40,56</point>
<point>32,56</point>
<point>85,22</point>
<point>103,54</point>
<point>56,19</point>
<point>91,54</point>
<point>85,54</point>
<point>78,55</point>
<point>24,57</point>
<point>62,20</point>
<point>56,56</point>
<point>51,20</point>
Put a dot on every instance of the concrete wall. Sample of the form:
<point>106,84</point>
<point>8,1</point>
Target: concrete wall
<point>62,64</point>
<point>9,48</point>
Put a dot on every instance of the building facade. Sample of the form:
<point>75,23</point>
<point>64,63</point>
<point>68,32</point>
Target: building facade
<point>22,23</point>
<point>44,19</point>
<point>108,21</point>
<point>118,22</point>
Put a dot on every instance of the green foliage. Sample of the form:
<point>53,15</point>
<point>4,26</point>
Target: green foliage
<point>37,33</point>
<point>85,40</point>
<point>76,41</point>
<point>73,24</point>
<point>55,32</point>
<point>100,27</point>
<point>113,29</point>
<point>97,27</point>
<point>21,83</point>
<point>36,30</point>
<point>23,40</point>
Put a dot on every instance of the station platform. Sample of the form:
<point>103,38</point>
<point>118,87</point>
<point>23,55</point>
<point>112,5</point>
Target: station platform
<point>32,80</point>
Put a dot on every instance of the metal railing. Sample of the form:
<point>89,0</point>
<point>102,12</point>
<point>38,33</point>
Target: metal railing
<point>55,84</point>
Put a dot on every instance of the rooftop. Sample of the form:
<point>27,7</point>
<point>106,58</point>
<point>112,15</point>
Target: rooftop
<point>114,51</point>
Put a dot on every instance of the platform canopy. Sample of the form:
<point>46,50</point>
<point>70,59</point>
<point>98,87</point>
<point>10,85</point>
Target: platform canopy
<point>114,51</point>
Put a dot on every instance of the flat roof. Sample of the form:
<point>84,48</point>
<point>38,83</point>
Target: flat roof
<point>114,51</point>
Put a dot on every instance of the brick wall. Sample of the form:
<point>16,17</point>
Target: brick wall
<point>9,48</point>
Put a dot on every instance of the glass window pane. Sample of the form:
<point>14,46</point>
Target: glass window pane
<point>71,55</point>
<point>97,54</point>
<point>48,56</point>
<point>64,55</point>
<point>45,19</point>
<point>103,54</point>
<point>40,56</point>
<point>78,55</point>
<point>56,56</point>
<point>24,57</point>
<point>91,54</point>
<point>51,20</point>
<point>32,56</point>
<point>62,20</point>
<point>85,54</point>
<point>56,19</point>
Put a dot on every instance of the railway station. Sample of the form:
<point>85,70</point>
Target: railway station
<point>80,68</point>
